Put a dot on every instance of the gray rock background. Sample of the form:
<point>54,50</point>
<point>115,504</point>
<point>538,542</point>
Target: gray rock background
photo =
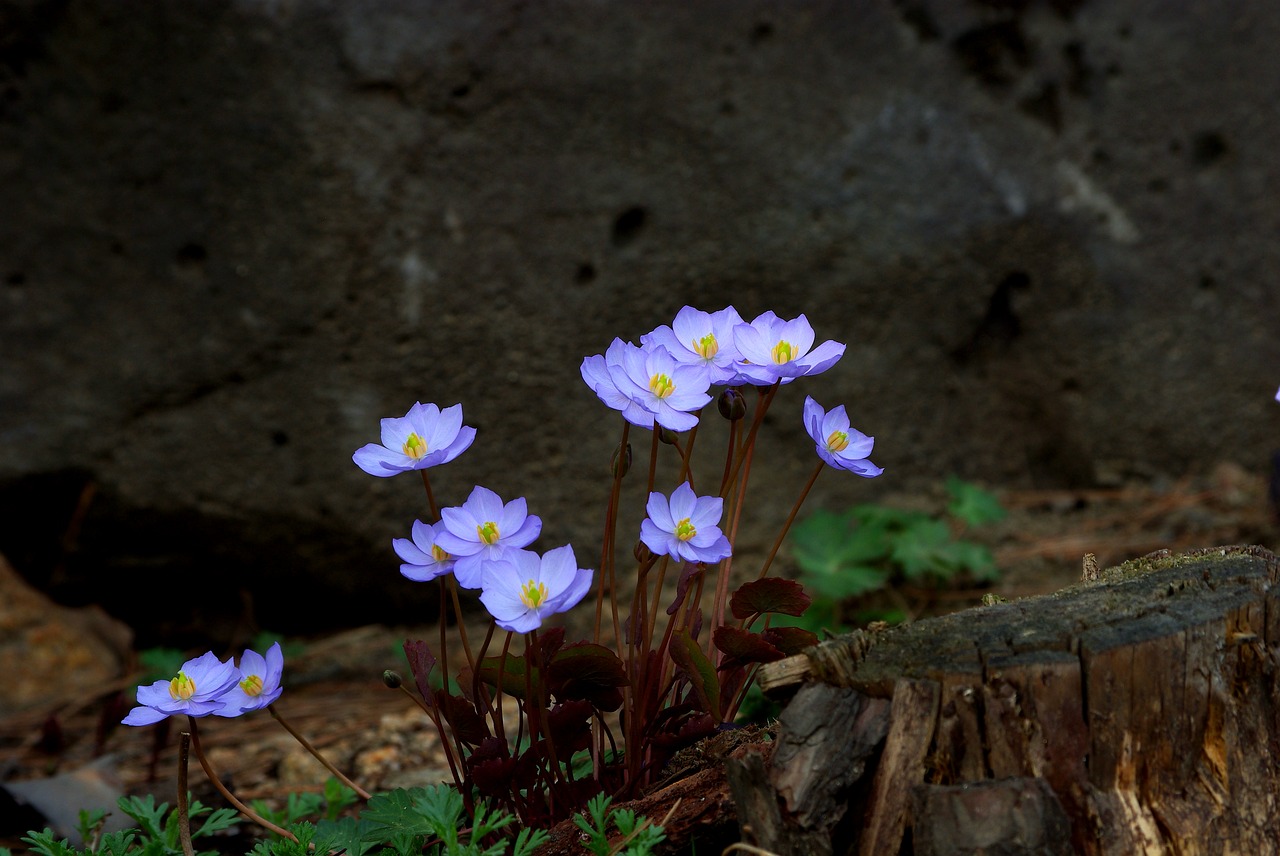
<point>233,235</point>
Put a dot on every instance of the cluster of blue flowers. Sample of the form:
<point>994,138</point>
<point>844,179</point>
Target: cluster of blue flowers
<point>665,379</point>
<point>662,382</point>
<point>206,685</point>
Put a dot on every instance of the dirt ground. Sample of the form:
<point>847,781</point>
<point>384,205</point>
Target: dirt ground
<point>335,695</point>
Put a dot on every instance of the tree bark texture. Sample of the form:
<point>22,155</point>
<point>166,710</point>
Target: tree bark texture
<point>1135,713</point>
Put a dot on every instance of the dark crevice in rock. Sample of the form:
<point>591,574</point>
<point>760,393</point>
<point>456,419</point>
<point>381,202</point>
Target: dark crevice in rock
<point>1000,326</point>
<point>917,17</point>
<point>994,53</point>
<point>188,578</point>
<point>1044,106</point>
<point>628,225</point>
<point>1207,148</point>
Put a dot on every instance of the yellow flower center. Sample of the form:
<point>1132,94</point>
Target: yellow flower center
<point>440,555</point>
<point>706,347</point>
<point>488,533</point>
<point>252,686</point>
<point>181,687</point>
<point>533,594</point>
<point>415,447</point>
<point>685,530</point>
<point>783,352</point>
<point>661,385</point>
<point>838,441</point>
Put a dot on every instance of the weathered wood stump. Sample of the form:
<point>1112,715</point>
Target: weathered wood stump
<point>1136,713</point>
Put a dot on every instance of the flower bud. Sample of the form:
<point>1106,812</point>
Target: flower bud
<point>732,406</point>
<point>666,435</point>
<point>642,553</point>
<point>392,679</point>
<point>626,462</point>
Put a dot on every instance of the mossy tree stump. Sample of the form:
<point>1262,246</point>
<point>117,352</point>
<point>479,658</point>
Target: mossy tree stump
<point>1135,713</point>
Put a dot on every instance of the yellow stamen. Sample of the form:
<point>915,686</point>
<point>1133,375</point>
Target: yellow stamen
<point>181,687</point>
<point>252,685</point>
<point>661,385</point>
<point>685,530</point>
<point>783,352</point>
<point>415,447</point>
<point>706,347</point>
<point>838,441</point>
<point>488,532</point>
<point>533,594</point>
<point>440,555</point>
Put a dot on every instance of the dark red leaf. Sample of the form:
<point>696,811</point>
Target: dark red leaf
<point>570,727</point>
<point>421,662</point>
<point>789,640</point>
<point>771,594</point>
<point>513,680</point>
<point>744,647</point>
<point>587,671</point>
<point>687,575</point>
<point>549,643</point>
<point>699,670</point>
<point>467,723</point>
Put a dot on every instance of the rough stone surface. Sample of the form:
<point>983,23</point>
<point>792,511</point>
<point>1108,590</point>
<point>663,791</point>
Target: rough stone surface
<point>236,234</point>
<point>50,653</point>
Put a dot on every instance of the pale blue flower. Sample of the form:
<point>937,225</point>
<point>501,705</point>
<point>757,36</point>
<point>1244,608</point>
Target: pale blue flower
<point>482,529</point>
<point>836,442</point>
<point>685,527</point>
<point>670,391</point>
<point>259,683</point>
<point>596,371</point>
<point>701,338</point>
<point>424,560</point>
<point>424,437</point>
<point>521,589</point>
<point>773,349</point>
<point>197,690</point>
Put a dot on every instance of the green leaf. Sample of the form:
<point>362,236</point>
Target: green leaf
<point>397,813</point>
<point>924,548</point>
<point>44,844</point>
<point>337,796</point>
<point>529,840</point>
<point>885,518</point>
<point>825,542</point>
<point>700,670</point>
<point>971,504</point>
<point>145,812</point>
<point>977,560</point>
<point>770,594</point>
<point>218,820</point>
<point>849,581</point>
<point>355,837</point>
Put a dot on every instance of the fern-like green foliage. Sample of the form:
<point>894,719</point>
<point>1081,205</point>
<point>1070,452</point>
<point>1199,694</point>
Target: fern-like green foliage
<point>637,836</point>
<point>397,823</point>
<point>155,835</point>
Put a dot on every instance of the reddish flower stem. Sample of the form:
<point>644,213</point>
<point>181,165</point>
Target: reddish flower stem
<point>184,814</point>
<point>230,797</point>
<point>786,527</point>
<point>315,753</point>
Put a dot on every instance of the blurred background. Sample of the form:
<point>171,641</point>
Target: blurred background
<point>234,235</point>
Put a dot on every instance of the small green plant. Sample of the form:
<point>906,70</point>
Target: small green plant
<point>844,555</point>
<point>156,833</point>
<point>397,823</point>
<point>638,835</point>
